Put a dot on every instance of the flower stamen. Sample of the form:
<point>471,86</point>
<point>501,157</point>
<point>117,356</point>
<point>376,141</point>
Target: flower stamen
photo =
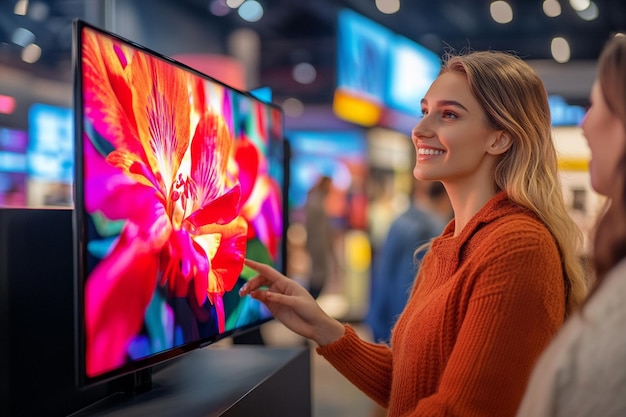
<point>184,190</point>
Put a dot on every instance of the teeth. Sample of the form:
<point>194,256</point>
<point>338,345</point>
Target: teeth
<point>424,151</point>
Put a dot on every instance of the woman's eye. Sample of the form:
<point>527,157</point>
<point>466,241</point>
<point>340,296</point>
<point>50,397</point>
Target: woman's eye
<point>424,112</point>
<point>449,115</point>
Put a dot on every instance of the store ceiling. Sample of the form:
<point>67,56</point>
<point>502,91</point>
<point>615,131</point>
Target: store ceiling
<point>292,30</point>
<point>458,23</point>
<point>295,30</point>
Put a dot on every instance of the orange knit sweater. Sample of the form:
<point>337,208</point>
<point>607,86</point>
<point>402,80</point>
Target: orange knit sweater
<point>486,304</point>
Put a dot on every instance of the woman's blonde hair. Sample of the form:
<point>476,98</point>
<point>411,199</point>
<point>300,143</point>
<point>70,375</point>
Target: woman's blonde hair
<point>515,100</point>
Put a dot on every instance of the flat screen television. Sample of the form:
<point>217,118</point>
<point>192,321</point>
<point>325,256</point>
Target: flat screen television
<point>178,177</point>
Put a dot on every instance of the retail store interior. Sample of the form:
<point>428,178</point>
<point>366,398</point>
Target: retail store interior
<point>348,76</point>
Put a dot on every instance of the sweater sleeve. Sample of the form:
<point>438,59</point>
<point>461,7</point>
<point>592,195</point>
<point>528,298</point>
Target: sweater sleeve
<point>515,305</point>
<point>367,365</point>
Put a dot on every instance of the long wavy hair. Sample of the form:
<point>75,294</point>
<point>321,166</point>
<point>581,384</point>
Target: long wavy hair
<point>515,100</point>
<point>610,235</point>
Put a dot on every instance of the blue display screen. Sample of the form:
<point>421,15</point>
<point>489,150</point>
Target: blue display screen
<point>50,155</point>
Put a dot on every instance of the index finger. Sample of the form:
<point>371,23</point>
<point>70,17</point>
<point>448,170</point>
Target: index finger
<point>262,269</point>
<point>267,276</point>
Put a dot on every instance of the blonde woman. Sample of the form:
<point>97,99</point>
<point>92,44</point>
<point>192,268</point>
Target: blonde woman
<point>496,285</point>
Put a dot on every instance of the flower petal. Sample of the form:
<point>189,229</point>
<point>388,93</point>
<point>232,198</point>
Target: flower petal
<point>247,157</point>
<point>222,210</point>
<point>227,263</point>
<point>190,262</point>
<point>117,294</point>
<point>108,97</point>
<point>210,150</point>
<point>162,112</point>
<point>264,211</point>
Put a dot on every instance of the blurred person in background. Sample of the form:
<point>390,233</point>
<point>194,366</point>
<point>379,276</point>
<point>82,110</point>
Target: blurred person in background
<point>397,261</point>
<point>494,288</point>
<point>319,236</point>
<point>381,212</point>
<point>583,371</point>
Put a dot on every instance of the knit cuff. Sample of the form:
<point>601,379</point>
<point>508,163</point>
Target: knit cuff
<point>339,344</point>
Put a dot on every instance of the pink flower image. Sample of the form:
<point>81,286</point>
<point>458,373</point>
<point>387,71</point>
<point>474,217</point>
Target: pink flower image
<point>158,161</point>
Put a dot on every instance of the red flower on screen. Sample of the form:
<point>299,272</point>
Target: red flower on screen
<point>166,178</point>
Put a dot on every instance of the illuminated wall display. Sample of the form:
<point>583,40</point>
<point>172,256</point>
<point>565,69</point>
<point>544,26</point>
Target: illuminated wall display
<point>381,76</point>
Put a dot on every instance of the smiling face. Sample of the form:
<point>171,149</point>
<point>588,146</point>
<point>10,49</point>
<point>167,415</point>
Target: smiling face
<point>454,141</point>
<point>606,137</point>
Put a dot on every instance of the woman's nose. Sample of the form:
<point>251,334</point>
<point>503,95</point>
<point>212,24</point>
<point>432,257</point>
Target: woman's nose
<point>422,128</point>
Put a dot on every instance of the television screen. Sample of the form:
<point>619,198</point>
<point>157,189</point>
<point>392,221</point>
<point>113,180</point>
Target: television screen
<point>50,155</point>
<point>564,114</point>
<point>13,145</point>
<point>412,69</point>
<point>362,56</point>
<point>341,155</point>
<point>50,144</point>
<point>178,178</point>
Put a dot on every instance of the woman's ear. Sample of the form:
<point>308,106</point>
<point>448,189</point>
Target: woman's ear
<point>500,143</point>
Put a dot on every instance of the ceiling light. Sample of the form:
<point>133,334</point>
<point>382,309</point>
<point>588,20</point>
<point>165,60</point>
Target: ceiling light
<point>552,8</point>
<point>21,7</point>
<point>304,73</point>
<point>579,5</point>
<point>233,4</point>
<point>38,11</point>
<point>560,50</point>
<point>22,37</point>
<point>293,107</point>
<point>219,8</point>
<point>501,11</point>
<point>250,11</point>
<point>590,13</point>
<point>388,6</point>
<point>31,53</point>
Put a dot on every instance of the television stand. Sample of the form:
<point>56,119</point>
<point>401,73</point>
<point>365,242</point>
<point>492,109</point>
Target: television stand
<point>234,381</point>
<point>135,383</point>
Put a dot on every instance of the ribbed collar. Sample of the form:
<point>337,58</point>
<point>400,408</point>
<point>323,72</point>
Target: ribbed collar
<point>498,206</point>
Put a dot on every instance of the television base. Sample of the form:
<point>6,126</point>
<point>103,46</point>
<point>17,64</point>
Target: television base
<point>226,382</point>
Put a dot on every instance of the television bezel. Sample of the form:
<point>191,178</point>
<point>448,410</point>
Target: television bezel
<point>138,370</point>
